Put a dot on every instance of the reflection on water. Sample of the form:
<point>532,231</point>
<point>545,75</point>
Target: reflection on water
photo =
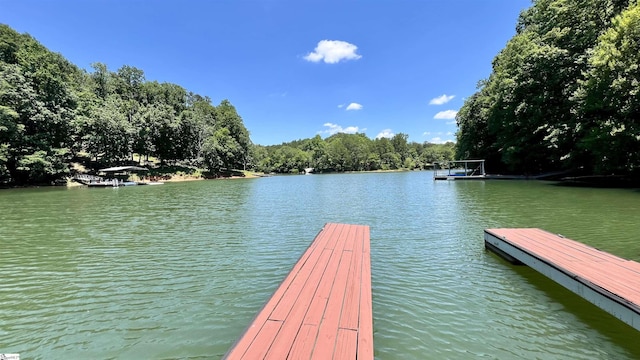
<point>178,271</point>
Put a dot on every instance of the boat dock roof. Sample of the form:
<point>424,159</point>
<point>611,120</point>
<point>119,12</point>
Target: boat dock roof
<point>123,168</point>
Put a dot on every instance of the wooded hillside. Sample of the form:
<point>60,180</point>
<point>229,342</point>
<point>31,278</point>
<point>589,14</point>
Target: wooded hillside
<point>563,94</point>
<point>52,114</point>
<point>350,152</point>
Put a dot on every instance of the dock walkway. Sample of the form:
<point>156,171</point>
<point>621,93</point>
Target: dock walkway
<point>322,309</point>
<point>610,282</point>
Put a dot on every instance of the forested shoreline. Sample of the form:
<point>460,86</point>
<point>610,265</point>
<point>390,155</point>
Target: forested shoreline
<point>563,94</point>
<point>350,152</point>
<point>53,115</point>
<point>56,118</point>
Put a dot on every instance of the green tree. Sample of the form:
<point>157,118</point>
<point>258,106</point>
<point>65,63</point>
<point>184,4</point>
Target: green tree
<point>38,106</point>
<point>51,113</point>
<point>109,135</point>
<point>317,149</point>
<point>43,167</point>
<point>102,80</point>
<point>523,117</point>
<point>609,97</point>
<point>400,145</point>
<point>228,118</point>
<point>9,130</point>
<point>197,123</point>
<point>156,128</point>
<point>221,151</point>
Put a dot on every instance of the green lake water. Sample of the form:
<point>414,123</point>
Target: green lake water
<point>179,270</point>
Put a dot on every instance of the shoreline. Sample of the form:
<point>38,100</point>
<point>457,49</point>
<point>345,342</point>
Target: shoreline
<point>584,181</point>
<point>172,179</point>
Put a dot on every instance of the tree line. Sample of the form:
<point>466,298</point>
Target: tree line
<point>52,114</point>
<point>349,152</point>
<point>564,93</point>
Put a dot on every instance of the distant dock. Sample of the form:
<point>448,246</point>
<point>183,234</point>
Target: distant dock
<point>609,282</point>
<point>322,309</point>
<point>459,170</point>
<point>475,170</point>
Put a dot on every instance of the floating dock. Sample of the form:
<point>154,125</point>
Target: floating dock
<point>322,309</point>
<point>610,282</point>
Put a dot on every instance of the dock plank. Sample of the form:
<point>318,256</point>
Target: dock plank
<point>291,329</point>
<point>303,347</point>
<point>349,319</point>
<point>611,282</point>
<point>365,321</point>
<point>325,244</point>
<point>261,343</point>
<point>319,303</point>
<point>256,325</point>
<point>346,345</point>
<point>317,311</point>
<point>328,330</point>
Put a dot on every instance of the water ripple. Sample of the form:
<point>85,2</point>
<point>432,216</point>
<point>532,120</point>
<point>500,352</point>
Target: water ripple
<point>178,271</point>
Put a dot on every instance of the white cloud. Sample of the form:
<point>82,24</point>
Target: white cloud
<point>443,99</point>
<point>438,140</point>
<point>333,51</point>
<point>354,106</point>
<point>447,115</point>
<point>340,106</point>
<point>386,133</point>
<point>335,128</point>
<point>440,137</point>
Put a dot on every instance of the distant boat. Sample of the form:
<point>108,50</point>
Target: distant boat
<point>309,171</point>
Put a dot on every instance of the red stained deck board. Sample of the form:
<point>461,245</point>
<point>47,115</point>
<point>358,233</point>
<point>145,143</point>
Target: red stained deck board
<point>633,266</point>
<point>317,311</point>
<point>563,247</point>
<point>283,343</point>
<point>607,271</point>
<point>262,341</point>
<point>310,273</point>
<point>303,348</point>
<point>319,302</point>
<point>611,279</point>
<point>349,319</point>
<point>347,344</point>
<point>365,321</point>
<point>255,327</point>
<point>328,330</point>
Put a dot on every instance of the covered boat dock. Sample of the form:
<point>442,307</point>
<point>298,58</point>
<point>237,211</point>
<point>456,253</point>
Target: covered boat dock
<point>459,170</point>
<point>112,177</point>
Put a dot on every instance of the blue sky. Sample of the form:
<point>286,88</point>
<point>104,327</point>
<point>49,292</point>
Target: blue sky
<point>293,69</point>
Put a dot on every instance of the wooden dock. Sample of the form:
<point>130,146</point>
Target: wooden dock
<point>608,281</point>
<point>322,309</point>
